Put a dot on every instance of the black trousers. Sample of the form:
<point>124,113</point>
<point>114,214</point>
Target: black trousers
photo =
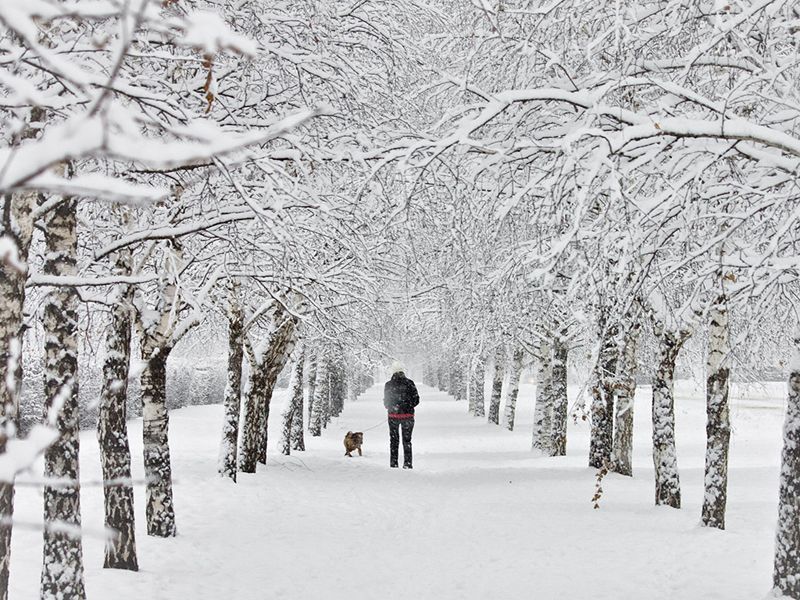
<point>395,428</point>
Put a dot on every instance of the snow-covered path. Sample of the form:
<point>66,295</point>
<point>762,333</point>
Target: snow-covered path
<point>478,517</point>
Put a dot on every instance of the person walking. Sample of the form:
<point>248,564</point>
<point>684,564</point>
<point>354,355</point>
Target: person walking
<point>400,397</point>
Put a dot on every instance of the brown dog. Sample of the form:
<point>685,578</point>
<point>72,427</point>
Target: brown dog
<point>353,441</point>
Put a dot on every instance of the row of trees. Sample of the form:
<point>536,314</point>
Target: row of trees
<point>168,168</point>
<point>615,180</point>
<point>602,183</point>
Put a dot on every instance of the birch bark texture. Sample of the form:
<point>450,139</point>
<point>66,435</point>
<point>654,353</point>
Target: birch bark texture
<point>294,407</point>
<point>665,456</point>
<point>560,400</point>
<point>718,427</point>
<point>513,389</point>
<point>17,232</point>
<point>321,393</point>
<point>786,572</point>
<point>622,449</point>
<point>497,386</point>
<point>112,428</point>
<point>296,389</point>
<point>265,369</point>
<point>543,407</point>
<point>477,393</point>
<point>62,565</point>
<point>602,408</point>
<point>233,386</point>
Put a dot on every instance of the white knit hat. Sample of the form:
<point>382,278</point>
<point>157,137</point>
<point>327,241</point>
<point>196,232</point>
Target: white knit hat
<point>397,367</point>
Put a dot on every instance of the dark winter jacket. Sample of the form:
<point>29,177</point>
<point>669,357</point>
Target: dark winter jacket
<point>400,396</point>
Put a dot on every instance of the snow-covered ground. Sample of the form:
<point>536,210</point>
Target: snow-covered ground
<point>478,517</point>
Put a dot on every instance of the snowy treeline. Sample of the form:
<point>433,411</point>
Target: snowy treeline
<point>502,186</point>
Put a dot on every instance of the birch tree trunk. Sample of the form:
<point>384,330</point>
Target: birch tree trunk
<point>298,441</point>
<point>17,231</point>
<point>293,407</point>
<point>543,408</point>
<point>320,398</point>
<point>559,399</point>
<point>62,568</point>
<point>160,510</point>
<point>477,388</point>
<point>233,387</point>
<point>497,387</point>
<point>112,429</point>
<point>602,409</point>
<point>622,451</point>
<point>265,373</point>
<point>718,428</point>
<point>513,389</point>
<point>311,374</point>
<point>665,457</point>
<point>786,573</point>
<point>253,407</point>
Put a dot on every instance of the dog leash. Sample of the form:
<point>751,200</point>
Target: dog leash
<point>374,426</point>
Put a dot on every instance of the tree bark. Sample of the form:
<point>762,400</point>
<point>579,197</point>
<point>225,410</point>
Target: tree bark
<point>264,374</point>
<point>17,232</point>
<point>160,510</point>
<point>311,374</point>
<point>298,440</point>
<point>321,392</point>
<point>602,409</point>
<point>62,567</point>
<point>665,457</point>
<point>233,387</point>
<point>543,408</point>
<point>786,573</point>
<point>112,429</point>
<point>477,390</point>
<point>622,451</point>
<point>718,428</point>
<point>294,407</point>
<point>497,387</point>
<point>559,399</point>
<point>248,453</point>
<point>513,389</point>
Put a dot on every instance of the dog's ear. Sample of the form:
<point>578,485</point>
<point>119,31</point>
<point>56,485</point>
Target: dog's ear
<point>348,434</point>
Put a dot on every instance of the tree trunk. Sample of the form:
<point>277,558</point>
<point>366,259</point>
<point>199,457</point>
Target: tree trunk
<point>497,387</point>
<point>558,398</point>
<point>786,574</point>
<point>622,451</point>
<point>513,389</point>
<point>718,428</point>
<point>253,407</point>
<point>665,457</point>
<point>543,408</point>
<point>233,387</point>
<point>477,390</point>
<point>311,374</point>
<point>601,440</point>
<point>112,430</point>
<point>320,398</point>
<point>298,441</point>
<point>338,386</point>
<point>160,508</point>
<point>17,232</point>
<point>294,407</point>
<point>62,570</point>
